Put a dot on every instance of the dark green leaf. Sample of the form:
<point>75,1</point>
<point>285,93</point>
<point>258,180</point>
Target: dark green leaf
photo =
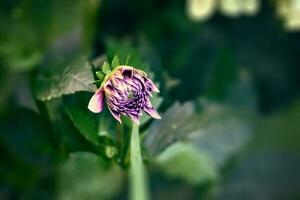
<point>87,176</point>
<point>69,136</point>
<point>212,137</point>
<point>63,80</point>
<point>183,160</point>
<point>84,121</point>
<point>223,131</point>
<point>176,124</point>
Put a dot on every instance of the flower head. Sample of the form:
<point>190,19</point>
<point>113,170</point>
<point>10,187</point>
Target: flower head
<point>126,91</point>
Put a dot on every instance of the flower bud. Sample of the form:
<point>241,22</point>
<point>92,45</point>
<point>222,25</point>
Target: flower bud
<point>126,91</point>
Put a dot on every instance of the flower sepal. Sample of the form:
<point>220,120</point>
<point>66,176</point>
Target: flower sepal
<point>106,69</point>
<point>100,75</point>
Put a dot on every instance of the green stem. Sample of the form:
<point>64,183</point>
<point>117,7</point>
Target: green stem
<point>139,189</point>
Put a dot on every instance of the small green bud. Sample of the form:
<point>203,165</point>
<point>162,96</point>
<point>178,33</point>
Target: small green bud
<point>111,151</point>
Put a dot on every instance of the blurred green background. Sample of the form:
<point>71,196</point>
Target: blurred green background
<point>228,71</point>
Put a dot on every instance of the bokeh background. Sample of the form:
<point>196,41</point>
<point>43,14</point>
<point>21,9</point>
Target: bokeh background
<point>228,71</point>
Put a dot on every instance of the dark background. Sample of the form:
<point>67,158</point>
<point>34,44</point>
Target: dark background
<point>229,85</point>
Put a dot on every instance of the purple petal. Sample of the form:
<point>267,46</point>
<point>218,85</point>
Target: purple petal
<point>96,102</point>
<point>135,118</point>
<point>127,72</point>
<point>116,115</point>
<point>152,112</point>
<point>118,74</point>
<point>108,88</point>
<point>152,85</point>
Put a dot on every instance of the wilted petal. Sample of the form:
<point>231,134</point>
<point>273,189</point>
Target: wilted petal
<point>116,115</point>
<point>138,76</point>
<point>152,112</point>
<point>108,88</point>
<point>152,85</point>
<point>96,102</point>
<point>127,72</point>
<point>118,74</point>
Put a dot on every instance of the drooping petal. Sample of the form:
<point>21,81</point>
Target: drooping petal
<point>108,88</point>
<point>127,73</point>
<point>125,68</point>
<point>152,112</point>
<point>152,85</point>
<point>116,115</point>
<point>118,74</point>
<point>96,102</point>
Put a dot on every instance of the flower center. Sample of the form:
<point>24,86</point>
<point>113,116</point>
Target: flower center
<point>130,94</point>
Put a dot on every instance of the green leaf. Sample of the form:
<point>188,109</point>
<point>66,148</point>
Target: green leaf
<point>83,120</point>
<point>106,68</point>
<point>176,123</point>
<point>100,75</point>
<point>93,128</point>
<point>219,131</point>
<point>97,82</point>
<point>115,62</point>
<point>73,141</point>
<point>211,138</point>
<point>87,176</point>
<point>66,79</point>
<point>185,161</point>
<point>223,131</point>
<point>69,136</point>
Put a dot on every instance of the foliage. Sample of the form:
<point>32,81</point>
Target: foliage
<point>229,100</point>
<point>74,78</point>
<point>97,180</point>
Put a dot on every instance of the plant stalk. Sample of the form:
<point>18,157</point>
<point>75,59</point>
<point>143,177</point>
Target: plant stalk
<point>139,188</point>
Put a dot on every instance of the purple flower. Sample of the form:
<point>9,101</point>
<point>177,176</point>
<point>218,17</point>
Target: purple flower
<point>126,91</point>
